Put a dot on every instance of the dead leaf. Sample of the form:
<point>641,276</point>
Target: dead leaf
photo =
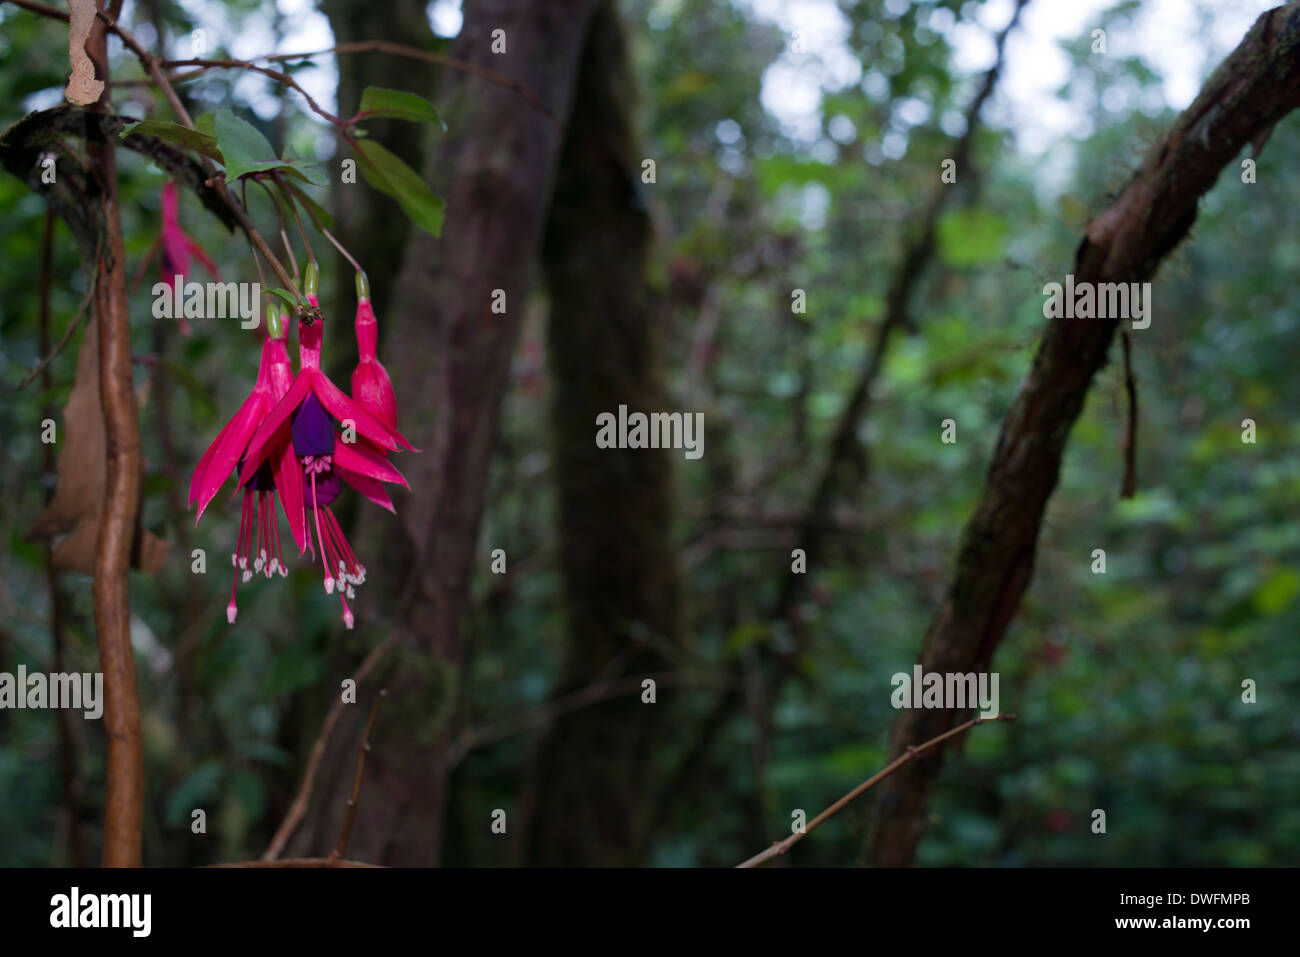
<point>71,520</point>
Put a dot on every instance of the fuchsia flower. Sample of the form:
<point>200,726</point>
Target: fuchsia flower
<point>307,420</point>
<point>258,545</point>
<point>177,245</point>
<point>371,387</point>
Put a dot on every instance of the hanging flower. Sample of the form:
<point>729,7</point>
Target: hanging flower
<point>371,387</point>
<point>308,420</point>
<point>258,546</point>
<point>177,245</point>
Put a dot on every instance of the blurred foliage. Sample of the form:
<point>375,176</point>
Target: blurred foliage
<point>1127,684</point>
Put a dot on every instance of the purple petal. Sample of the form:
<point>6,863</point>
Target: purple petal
<point>313,429</point>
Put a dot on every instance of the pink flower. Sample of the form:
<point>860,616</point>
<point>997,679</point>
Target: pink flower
<point>258,546</point>
<point>177,245</point>
<point>371,387</point>
<point>306,420</point>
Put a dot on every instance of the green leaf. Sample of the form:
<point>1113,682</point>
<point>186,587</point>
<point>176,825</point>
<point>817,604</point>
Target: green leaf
<point>195,140</point>
<point>388,174</point>
<point>377,101</point>
<point>286,296</point>
<point>246,150</point>
<point>308,174</point>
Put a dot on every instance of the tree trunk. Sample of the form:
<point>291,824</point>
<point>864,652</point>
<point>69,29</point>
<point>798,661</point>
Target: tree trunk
<point>449,355</point>
<point>615,505</point>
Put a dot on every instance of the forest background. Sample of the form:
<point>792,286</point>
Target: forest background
<point>796,148</point>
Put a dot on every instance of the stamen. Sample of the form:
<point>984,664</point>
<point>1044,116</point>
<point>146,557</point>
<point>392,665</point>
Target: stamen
<point>277,562</point>
<point>329,582</point>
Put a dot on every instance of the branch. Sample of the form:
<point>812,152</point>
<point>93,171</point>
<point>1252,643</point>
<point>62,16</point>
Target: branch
<point>68,760</point>
<point>124,798</point>
<point>356,782</point>
<point>1255,87</point>
<point>414,53</point>
<point>282,78</point>
<point>298,810</point>
<point>575,701</point>
<point>780,847</point>
<point>63,342</point>
<point>463,66</point>
<point>337,853</point>
<point>1129,488</point>
<point>300,862</point>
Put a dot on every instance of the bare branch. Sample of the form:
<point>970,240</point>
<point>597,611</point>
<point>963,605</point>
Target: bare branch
<point>337,853</point>
<point>780,847</point>
<point>298,809</point>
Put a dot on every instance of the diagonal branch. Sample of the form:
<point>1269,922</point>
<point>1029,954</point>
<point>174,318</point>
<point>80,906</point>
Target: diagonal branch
<point>298,809</point>
<point>1255,87</point>
<point>780,847</point>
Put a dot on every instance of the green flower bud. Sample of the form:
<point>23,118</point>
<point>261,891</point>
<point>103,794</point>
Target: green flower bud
<point>274,321</point>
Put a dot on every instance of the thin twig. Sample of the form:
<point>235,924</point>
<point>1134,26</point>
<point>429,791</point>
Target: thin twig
<point>575,701</point>
<point>320,227</point>
<point>67,337</point>
<point>297,218</point>
<point>1129,488</point>
<point>282,78</point>
<point>335,854</point>
<point>68,762</point>
<point>780,847</point>
<point>363,46</point>
<point>298,810</point>
<point>279,218</point>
